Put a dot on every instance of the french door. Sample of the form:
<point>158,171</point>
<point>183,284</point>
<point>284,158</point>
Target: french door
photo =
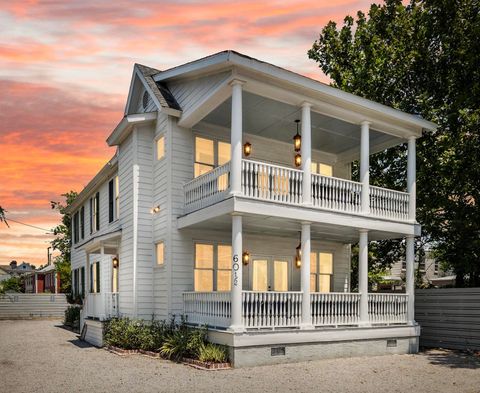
<point>270,274</point>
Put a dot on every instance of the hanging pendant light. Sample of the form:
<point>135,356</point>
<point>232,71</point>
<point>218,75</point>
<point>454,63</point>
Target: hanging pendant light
<point>297,139</point>
<point>298,160</point>
<point>298,253</point>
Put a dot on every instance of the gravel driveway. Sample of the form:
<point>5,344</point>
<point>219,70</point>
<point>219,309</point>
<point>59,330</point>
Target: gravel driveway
<point>40,356</point>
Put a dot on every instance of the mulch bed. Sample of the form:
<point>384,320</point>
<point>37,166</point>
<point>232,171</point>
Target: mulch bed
<point>208,366</point>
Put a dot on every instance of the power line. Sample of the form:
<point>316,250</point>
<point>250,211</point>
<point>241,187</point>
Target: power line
<point>28,225</point>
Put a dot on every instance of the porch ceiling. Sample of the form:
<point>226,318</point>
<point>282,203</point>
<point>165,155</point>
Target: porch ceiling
<point>274,226</point>
<point>274,119</point>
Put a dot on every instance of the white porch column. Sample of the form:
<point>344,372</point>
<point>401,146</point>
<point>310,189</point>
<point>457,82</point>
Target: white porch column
<point>410,278</point>
<point>364,166</point>
<point>411,178</point>
<point>236,323</point>
<point>363,275</point>
<point>305,277</point>
<point>236,138</point>
<point>306,152</point>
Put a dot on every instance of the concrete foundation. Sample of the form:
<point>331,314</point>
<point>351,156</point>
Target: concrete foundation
<point>264,348</point>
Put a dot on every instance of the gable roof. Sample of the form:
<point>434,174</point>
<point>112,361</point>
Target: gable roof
<point>159,89</point>
<point>233,59</point>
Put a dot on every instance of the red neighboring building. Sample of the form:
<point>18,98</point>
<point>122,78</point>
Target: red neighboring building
<point>43,280</point>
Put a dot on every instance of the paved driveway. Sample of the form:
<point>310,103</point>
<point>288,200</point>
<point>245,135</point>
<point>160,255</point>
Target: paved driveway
<point>39,356</point>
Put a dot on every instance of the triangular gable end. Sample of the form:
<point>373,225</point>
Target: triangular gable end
<point>146,95</point>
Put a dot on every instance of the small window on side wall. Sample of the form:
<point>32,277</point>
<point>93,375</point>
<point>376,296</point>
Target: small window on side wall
<point>160,148</point>
<point>160,253</point>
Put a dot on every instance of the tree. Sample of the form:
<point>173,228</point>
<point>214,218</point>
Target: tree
<point>13,284</point>
<point>422,58</point>
<point>2,216</point>
<point>63,241</point>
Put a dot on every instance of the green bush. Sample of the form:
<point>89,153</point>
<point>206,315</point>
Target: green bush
<point>72,314</point>
<point>174,341</point>
<point>213,353</point>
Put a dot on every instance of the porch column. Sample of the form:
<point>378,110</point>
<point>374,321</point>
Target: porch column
<point>305,277</point>
<point>364,166</point>
<point>236,139</point>
<point>363,275</point>
<point>306,152</point>
<point>411,178</point>
<point>410,278</point>
<point>236,323</point>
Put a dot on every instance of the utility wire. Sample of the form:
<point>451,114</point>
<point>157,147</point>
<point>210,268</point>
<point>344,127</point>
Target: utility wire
<point>28,225</point>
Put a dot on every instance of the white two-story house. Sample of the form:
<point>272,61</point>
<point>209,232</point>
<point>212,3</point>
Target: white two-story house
<point>229,201</point>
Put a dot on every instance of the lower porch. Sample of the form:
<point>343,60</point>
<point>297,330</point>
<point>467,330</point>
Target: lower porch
<point>283,310</point>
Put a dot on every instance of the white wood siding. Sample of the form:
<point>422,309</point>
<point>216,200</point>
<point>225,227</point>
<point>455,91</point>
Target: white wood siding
<point>189,93</point>
<point>151,107</point>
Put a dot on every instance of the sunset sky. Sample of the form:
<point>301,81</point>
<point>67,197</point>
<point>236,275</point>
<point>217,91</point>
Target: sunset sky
<point>65,68</point>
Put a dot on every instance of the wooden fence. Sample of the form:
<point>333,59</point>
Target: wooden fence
<point>26,306</point>
<point>449,317</point>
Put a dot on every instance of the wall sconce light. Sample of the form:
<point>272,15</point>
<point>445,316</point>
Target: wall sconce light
<point>298,160</point>
<point>245,258</point>
<point>247,149</point>
<point>156,209</point>
<point>298,254</point>
<point>115,262</point>
<point>297,139</point>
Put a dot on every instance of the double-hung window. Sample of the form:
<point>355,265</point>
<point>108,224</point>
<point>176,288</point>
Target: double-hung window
<point>95,213</point>
<point>113,199</point>
<point>209,154</point>
<point>322,169</point>
<point>212,267</point>
<point>95,277</point>
<point>321,271</point>
<point>75,227</point>
<point>82,222</point>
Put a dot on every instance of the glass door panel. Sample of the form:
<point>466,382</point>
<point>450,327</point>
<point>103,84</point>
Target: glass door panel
<point>260,275</point>
<point>280,275</point>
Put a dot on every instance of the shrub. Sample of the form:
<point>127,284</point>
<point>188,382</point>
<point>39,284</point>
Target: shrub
<point>72,314</point>
<point>213,353</point>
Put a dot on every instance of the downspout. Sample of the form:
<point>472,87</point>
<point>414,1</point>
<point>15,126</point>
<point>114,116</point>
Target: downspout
<point>136,174</point>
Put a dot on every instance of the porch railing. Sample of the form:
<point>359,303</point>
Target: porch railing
<point>102,306</point>
<point>271,309</point>
<point>336,194</point>
<point>207,308</point>
<point>335,308</point>
<point>387,308</point>
<point>207,189</point>
<point>389,203</point>
<point>271,182</point>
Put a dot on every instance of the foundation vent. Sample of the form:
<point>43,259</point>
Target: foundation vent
<point>391,343</point>
<point>278,351</point>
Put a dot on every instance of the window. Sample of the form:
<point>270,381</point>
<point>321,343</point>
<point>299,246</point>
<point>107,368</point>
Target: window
<point>115,267</point>
<point>212,267</point>
<point>117,197</point>
<point>113,200</point>
<point>75,227</point>
<point>75,283</point>
<point>82,222</point>
<point>160,253</point>
<point>91,216</point>
<point>95,277</point>
<point>322,169</point>
<point>160,147</point>
<point>209,154</point>
<point>96,212</point>
<point>82,281</point>
<point>321,271</point>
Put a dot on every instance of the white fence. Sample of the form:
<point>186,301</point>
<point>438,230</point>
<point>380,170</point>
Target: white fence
<point>389,203</point>
<point>271,309</point>
<point>207,189</point>
<point>102,306</point>
<point>335,308</point>
<point>336,194</point>
<point>387,308</point>
<point>25,305</point>
<point>271,182</point>
<point>207,308</point>
<point>277,183</point>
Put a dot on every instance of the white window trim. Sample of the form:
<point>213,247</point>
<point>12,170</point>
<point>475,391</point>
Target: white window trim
<point>317,274</point>
<point>216,140</point>
<point>215,260</point>
<point>155,264</point>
